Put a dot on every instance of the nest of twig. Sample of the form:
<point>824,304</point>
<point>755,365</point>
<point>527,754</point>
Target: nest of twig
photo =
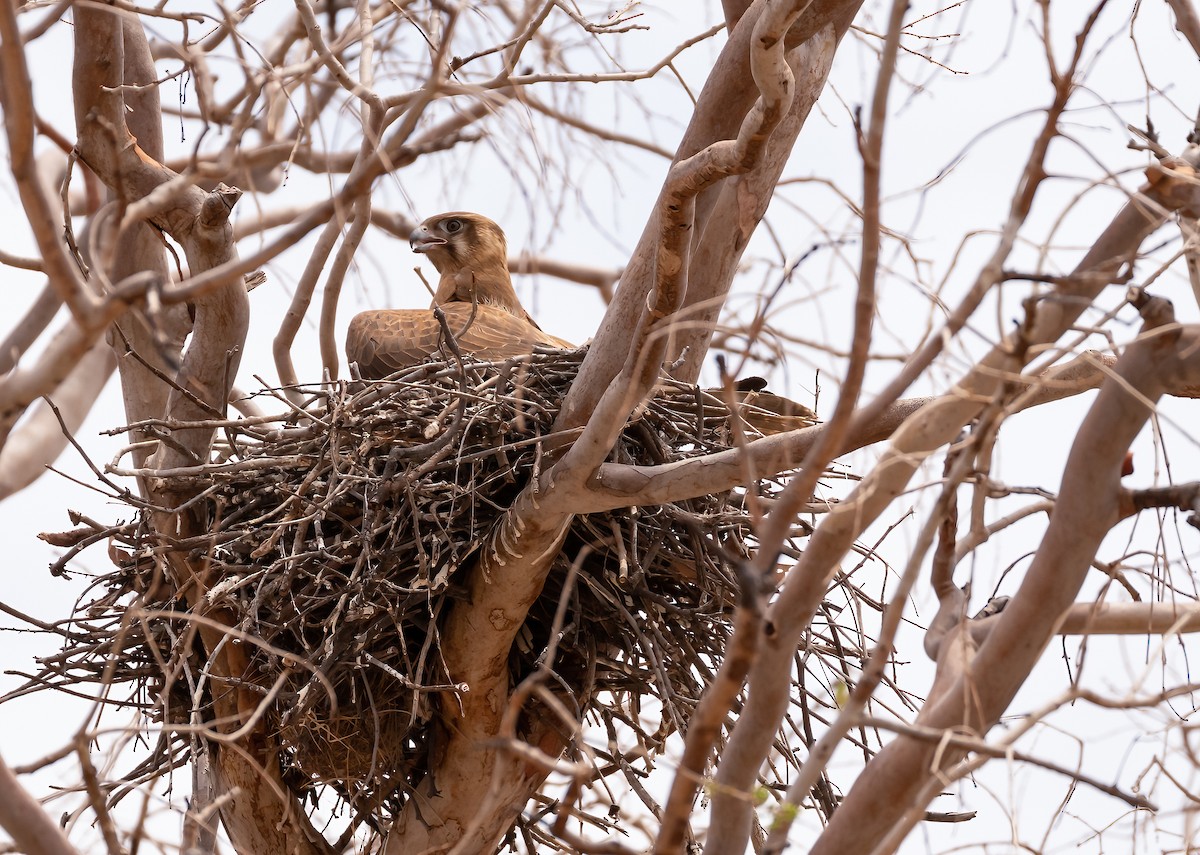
<point>339,534</point>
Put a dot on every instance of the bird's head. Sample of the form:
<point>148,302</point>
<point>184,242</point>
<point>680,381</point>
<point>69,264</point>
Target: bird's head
<point>459,240</point>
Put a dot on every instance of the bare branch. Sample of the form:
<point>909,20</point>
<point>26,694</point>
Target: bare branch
<point>26,384</point>
<point>705,727</point>
<point>24,819</point>
<point>1130,619</point>
<point>1005,752</point>
<point>740,207</point>
<point>17,99</point>
<point>198,221</point>
<point>503,583</point>
<point>37,441</point>
<point>32,325</point>
<point>601,278</point>
<point>916,439</point>
<point>675,219</point>
<point>729,94</point>
<point>1087,508</point>
<point>1187,22</point>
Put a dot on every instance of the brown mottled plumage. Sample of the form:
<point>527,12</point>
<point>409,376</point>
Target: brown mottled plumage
<point>767,412</point>
<point>770,414</point>
<point>475,292</point>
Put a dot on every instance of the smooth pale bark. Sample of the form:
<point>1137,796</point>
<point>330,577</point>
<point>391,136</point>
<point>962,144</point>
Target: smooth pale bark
<point>689,180</point>
<point>54,365</point>
<point>16,94</point>
<point>111,51</point>
<point>727,97</point>
<point>936,425</point>
<point>35,321</point>
<point>503,583</point>
<point>742,204</point>
<point>509,573</point>
<point>1187,22</point>
<point>198,221</point>
<point>1130,619</point>
<point>38,440</point>
<point>22,817</point>
<point>143,345</point>
<point>619,485</point>
<point>1088,506</point>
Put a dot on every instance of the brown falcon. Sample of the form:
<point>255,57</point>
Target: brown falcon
<point>767,412</point>
<point>475,292</point>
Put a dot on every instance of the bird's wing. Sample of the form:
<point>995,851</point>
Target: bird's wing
<point>766,412</point>
<point>383,342</point>
<point>494,333</point>
<point>492,288</point>
<point>770,413</point>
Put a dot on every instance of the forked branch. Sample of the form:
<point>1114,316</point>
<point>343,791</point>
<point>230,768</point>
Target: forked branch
<point>1163,357</point>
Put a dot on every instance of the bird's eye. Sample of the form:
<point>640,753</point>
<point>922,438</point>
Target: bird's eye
<point>453,226</point>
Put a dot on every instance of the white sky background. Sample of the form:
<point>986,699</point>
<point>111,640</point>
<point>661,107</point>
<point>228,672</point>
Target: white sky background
<point>955,147</point>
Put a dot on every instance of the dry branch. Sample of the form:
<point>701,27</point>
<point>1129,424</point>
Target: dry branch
<point>675,219</point>
<point>920,436</point>
<point>740,206</point>
<point>17,98</point>
<point>728,96</point>
<point>37,442</point>
<point>1162,358</point>
<point>336,543</point>
<point>23,818</point>
<point>518,554</point>
<point>1130,619</point>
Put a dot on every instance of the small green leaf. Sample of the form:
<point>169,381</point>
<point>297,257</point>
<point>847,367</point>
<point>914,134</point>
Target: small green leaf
<point>785,815</point>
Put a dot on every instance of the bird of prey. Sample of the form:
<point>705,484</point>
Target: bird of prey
<point>475,292</point>
<point>767,412</point>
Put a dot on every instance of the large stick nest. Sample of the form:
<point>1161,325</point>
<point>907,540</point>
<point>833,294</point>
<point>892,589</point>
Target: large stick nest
<point>339,533</point>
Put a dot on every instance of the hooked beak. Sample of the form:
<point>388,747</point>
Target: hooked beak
<point>422,241</point>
